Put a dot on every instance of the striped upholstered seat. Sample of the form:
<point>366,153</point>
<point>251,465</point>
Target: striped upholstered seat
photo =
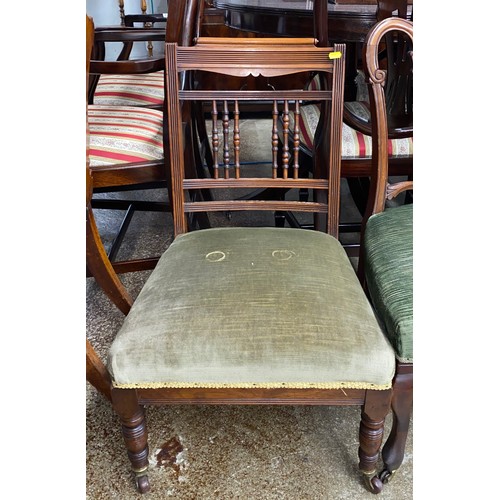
<point>124,134</point>
<point>354,143</point>
<point>130,90</point>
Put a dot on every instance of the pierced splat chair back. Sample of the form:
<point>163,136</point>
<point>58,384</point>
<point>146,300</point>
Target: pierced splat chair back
<point>259,57</point>
<point>398,86</point>
<point>399,80</point>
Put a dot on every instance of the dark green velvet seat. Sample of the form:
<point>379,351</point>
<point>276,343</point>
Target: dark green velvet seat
<point>252,307</point>
<point>389,274</point>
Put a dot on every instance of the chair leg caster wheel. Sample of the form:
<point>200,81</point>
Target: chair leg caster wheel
<point>143,484</point>
<point>385,476</point>
<point>373,483</point>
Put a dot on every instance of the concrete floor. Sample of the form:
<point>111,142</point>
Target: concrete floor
<point>226,452</point>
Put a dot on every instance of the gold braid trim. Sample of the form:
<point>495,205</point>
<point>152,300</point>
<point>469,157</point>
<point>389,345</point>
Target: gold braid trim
<point>404,360</point>
<point>243,385</point>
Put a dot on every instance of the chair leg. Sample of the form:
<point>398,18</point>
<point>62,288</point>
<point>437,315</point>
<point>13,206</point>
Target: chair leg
<point>97,375</point>
<point>101,268</point>
<point>371,433</point>
<point>402,403</point>
<point>135,435</point>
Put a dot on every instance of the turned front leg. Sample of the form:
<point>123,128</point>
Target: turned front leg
<point>371,433</point>
<point>134,432</point>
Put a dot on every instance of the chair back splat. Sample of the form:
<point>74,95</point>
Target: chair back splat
<point>259,57</point>
<point>253,315</point>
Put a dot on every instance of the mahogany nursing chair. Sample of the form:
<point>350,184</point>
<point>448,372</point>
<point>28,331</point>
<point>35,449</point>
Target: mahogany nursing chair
<point>386,260</point>
<point>253,315</point>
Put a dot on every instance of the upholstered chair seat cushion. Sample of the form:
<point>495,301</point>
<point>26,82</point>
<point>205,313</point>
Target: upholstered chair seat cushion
<point>389,274</point>
<point>354,143</point>
<point>252,307</point>
<point>130,90</point>
<point>124,134</point>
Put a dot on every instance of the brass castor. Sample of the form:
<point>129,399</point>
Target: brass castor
<point>143,484</point>
<point>385,475</point>
<point>373,483</point>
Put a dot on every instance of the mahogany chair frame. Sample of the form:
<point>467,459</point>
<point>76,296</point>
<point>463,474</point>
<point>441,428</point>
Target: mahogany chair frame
<point>148,174</point>
<point>127,35</point>
<point>381,190</point>
<point>102,270</point>
<point>126,176</point>
<point>237,59</point>
<point>99,264</point>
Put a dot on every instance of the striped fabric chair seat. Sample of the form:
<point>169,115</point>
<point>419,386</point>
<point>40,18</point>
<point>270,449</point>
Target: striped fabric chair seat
<point>124,134</point>
<point>130,90</point>
<point>354,143</point>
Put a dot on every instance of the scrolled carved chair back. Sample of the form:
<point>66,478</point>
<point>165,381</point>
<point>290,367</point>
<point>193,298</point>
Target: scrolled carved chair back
<point>377,78</point>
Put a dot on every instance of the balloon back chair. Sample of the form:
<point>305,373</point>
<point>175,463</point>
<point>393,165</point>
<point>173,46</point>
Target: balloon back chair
<point>253,315</point>
<point>399,103</point>
<point>386,257</point>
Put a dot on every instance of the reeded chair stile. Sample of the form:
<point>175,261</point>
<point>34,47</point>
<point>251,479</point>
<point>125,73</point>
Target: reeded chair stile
<point>253,315</point>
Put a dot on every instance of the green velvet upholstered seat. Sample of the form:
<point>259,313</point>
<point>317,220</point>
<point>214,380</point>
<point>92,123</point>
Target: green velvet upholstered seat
<point>389,274</point>
<point>252,307</point>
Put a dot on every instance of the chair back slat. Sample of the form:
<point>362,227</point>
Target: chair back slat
<point>226,115</point>
<point>296,141</point>
<point>286,133</point>
<point>236,140</point>
<point>225,131</point>
<point>275,140</point>
<point>215,139</point>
